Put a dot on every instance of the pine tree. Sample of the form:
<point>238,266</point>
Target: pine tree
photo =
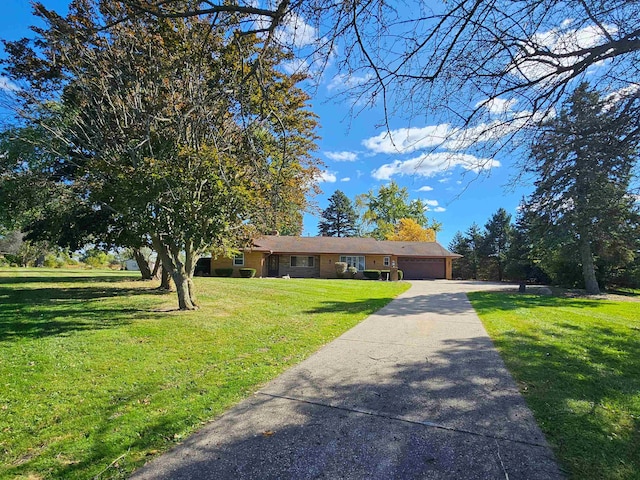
<point>339,218</point>
<point>581,204</point>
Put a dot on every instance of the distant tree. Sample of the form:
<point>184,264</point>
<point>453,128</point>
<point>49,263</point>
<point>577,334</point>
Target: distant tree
<point>339,218</point>
<point>469,245</point>
<point>581,203</point>
<point>408,230</point>
<point>496,242</point>
<point>384,209</point>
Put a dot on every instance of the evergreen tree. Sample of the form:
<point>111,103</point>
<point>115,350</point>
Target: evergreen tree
<point>339,218</point>
<point>581,202</point>
<point>496,242</point>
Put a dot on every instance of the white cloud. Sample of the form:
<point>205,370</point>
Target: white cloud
<point>426,188</point>
<point>345,179</point>
<point>296,65</point>
<point>431,203</point>
<point>407,140</point>
<point>430,164</point>
<point>621,94</point>
<point>439,209</point>
<point>561,43</point>
<point>328,177</point>
<point>342,156</point>
<point>497,106</point>
<point>296,32</point>
<point>8,85</point>
<point>344,82</point>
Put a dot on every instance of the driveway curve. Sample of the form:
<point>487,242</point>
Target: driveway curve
<point>415,391</point>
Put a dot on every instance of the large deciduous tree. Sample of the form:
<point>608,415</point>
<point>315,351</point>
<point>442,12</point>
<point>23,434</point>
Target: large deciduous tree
<point>581,205</point>
<point>385,208</point>
<point>178,127</point>
<point>408,230</point>
<point>339,218</point>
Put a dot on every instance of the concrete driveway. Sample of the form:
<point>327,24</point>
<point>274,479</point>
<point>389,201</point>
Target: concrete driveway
<point>417,390</point>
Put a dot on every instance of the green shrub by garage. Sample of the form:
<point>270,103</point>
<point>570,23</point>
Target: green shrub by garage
<point>247,272</point>
<point>372,274</point>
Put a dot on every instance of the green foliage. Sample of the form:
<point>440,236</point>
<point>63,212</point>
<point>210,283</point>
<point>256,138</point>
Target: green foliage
<point>97,367</point>
<point>247,272</point>
<point>576,362</point>
<point>400,275</point>
<point>384,209</point>
<point>200,139</point>
<point>97,259</point>
<point>223,272</point>
<point>339,218</point>
<point>581,210</point>
<point>372,274</point>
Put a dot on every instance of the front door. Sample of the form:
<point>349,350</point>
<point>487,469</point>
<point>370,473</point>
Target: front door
<point>273,266</point>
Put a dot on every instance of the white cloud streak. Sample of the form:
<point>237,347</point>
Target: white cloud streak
<point>430,164</point>
<point>8,85</point>
<point>327,177</point>
<point>342,156</point>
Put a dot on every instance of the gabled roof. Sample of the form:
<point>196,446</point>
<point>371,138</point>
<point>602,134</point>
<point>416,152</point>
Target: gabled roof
<point>348,245</point>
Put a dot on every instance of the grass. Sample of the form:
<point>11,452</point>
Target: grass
<point>98,372</point>
<point>577,362</point>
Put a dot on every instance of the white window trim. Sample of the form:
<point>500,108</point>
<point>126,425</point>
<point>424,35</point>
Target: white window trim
<point>364,260</point>
<point>235,258</point>
<point>386,261</point>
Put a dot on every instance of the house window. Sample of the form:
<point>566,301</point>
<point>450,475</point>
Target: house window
<point>238,260</point>
<point>299,261</point>
<point>351,261</point>
<point>385,262</point>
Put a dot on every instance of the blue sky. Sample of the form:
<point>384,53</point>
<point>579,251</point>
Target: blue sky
<point>359,155</point>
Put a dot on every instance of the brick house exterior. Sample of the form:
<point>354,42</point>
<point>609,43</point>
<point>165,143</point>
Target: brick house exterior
<point>315,257</point>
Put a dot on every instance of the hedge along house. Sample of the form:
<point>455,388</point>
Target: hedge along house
<point>315,257</point>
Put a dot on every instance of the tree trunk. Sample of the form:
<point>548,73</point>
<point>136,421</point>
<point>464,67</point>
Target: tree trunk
<point>588,268</point>
<point>156,269</point>
<point>165,279</point>
<point>143,265</point>
<point>184,287</point>
<point>180,271</point>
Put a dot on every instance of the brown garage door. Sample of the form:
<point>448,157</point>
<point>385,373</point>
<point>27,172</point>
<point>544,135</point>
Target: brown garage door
<point>419,268</point>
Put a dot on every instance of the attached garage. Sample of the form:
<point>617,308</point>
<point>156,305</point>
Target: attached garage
<point>421,268</point>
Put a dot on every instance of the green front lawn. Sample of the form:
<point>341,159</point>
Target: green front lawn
<point>577,361</point>
<point>99,372</point>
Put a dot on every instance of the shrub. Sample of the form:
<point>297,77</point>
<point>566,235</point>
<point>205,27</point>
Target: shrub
<point>223,272</point>
<point>351,272</point>
<point>247,272</point>
<point>400,274</point>
<point>341,269</point>
<point>372,274</point>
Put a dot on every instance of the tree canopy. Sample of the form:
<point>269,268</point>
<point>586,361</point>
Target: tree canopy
<point>183,132</point>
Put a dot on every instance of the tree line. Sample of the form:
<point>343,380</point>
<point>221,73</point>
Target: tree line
<point>581,224</point>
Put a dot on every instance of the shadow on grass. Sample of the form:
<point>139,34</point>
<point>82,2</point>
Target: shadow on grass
<point>62,278</point>
<point>42,312</point>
